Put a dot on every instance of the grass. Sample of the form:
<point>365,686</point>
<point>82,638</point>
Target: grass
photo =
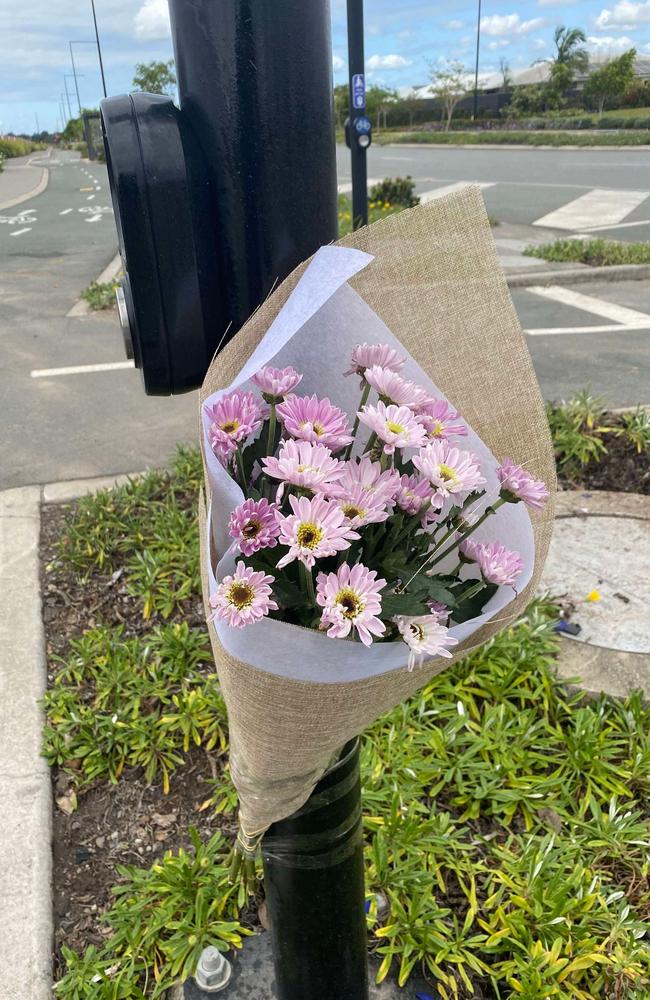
<point>100,295</point>
<point>506,818</point>
<point>495,138</point>
<point>597,252</point>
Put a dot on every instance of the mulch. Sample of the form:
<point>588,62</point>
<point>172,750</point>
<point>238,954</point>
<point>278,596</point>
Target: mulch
<point>622,469</point>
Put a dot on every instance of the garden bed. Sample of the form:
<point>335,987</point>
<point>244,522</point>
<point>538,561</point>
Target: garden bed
<point>506,819</point>
<point>596,252</point>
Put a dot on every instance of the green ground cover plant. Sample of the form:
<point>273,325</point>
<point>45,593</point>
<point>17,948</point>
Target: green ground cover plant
<point>596,252</point>
<point>376,210</point>
<point>506,817</point>
<point>493,137</point>
<point>100,295</point>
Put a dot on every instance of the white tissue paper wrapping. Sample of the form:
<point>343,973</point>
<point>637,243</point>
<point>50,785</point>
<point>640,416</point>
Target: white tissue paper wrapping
<point>315,332</point>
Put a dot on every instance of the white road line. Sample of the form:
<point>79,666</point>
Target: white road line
<point>440,192</point>
<point>90,197</point>
<point>599,207</point>
<point>551,330</point>
<point>111,366</point>
<point>94,218</point>
<point>346,187</point>
<point>65,211</point>
<point>19,232</point>
<point>620,225</point>
<point>598,307</point>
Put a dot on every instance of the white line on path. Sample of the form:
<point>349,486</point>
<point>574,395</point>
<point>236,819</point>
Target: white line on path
<point>110,366</point>
<point>90,197</point>
<point>550,330</point>
<point>440,192</point>
<point>599,207</point>
<point>629,318</point>
<point>94,218</point>
<point>620,225</point>
<point>19,232</point>
<point>65,211</point>
<point>346,187</point>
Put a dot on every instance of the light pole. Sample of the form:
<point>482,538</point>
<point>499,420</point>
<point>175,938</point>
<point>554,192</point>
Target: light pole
<point>66,77</point>
<point>99,49</point>
<point>478,44</point>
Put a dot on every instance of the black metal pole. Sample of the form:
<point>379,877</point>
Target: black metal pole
<point>357,73</point>
<point>99,48</point>
<point>314,884</point>
<point>478,45</point>
<point>254,84</point>
<point>74,73</point>
<point>67,96</point>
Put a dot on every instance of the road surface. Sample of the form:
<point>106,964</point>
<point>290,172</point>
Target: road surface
<point>59,424</point>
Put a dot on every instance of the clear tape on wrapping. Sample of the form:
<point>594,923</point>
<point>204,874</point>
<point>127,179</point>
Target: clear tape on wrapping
<point>295,851</point>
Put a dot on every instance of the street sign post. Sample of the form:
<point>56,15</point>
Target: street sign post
<point>358,128</point>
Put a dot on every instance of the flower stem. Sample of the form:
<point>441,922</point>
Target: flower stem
<point>270,441</point>
<point>308,581</point>
<point>470,531</point>
<point>473,591</point>
<point>240,468</point>
<point>371,443</point>
<point>355,425</point>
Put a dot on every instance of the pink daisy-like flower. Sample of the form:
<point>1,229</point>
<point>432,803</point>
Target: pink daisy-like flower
<point>517,484</point>
<point>276,383</point>
<point>448,469</point>
<point>440,420</point>
<point>243,598</point>
<point>233,418</point>
<point>497,563</point>
<point>350,598</point>
<point>441,611</point>
<point>365,473</point>
<point>317,528</point>
<point>310,466</point>
<point>366,355</point>
<point>362,507</point>
<point>395,426</point>
<point>395,388</point>
<point>425,636</point>
<point>254,526</point>
<point>413,493</point>
<point>468,548</point>
<point>317,420</point>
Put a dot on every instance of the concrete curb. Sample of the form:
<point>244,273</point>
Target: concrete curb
<point>81,307</point>
<point>600,668</point>
<point>523,147</point>
<point>36,190</point>
<point>574,275</point>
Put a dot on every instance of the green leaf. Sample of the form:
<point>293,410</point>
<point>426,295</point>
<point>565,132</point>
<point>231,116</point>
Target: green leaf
<point>403,604</point>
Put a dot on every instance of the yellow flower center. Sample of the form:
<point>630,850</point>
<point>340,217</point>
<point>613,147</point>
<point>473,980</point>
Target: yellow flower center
<point>351,511</point>
<point>309,535</point>
<point>350,601</point>
<point>240,594</point>
<point>230,426</point>
<point>306,468</point>
<point>394,428</point>
<point>447,475</point>
<point>436,429</point>
<point>251,528</point>
<point>319,430</point>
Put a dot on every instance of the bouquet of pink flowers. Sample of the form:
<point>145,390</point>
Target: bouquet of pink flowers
<point>361,525</point>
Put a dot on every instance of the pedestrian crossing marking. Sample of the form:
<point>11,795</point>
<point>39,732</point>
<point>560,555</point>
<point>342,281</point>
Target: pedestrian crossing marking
<point>599,207</point>
<point>440,192</point>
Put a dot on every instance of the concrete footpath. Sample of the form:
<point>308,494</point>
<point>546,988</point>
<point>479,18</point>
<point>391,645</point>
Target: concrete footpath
<point>597,565</point>
<point>24,177</point>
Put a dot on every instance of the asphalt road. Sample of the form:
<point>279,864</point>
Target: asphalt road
<point>524,185</point>
<point>61,425</point>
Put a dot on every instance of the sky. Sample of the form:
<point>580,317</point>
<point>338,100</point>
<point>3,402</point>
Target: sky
<point>403,39</point>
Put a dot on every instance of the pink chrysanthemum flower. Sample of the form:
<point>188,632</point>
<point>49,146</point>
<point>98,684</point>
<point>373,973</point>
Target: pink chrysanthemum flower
<point>497,563</point>
<point>351,598</point>
<point>317,420</point>
<point>440,420</point>
<point>366,355</point>
<point>395,388</point>
<point>243,598</point>
<point>517,484</point>
<point>441,611</point>
<point>395,426</point>
<point>362,507</point>
<point>233,418</point>
<point>468,548</point>
<point>448,469</point>
<point>310,466</point>
<point>317,528</point>
<point>254,526</point>
<point>425,636</point>
<point>276,383</point>
<point>365,473</point>
<point>413,493</point>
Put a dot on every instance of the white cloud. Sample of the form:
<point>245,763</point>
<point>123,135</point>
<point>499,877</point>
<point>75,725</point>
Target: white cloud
<point>556,3</point>
<point>500,44</point>
<point>538,44</point>
<point>608,44</point>
<point>455,25</point>
<point>504,24</point>
<point>152,20</point>
<point>387,62</point>
<point>625,14</point>
<point>373,29</point>
<point>337,63</point>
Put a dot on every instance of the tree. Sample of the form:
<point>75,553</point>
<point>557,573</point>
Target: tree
<point>449,85</point>
<point>378,101</point>
<point>155,77</point>
<point>570,51</point>
<point>611,81</point>
<point>411,104</point>
<point>341,103</point>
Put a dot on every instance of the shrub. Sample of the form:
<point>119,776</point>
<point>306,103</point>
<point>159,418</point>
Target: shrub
<point>395,191</point>
<point>597,252</point>
<point>100,295</point>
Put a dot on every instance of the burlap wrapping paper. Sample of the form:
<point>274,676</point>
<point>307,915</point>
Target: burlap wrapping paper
<point>437,283</point>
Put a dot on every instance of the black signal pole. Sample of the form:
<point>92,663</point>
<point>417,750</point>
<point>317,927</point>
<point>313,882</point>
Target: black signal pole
<point>478,46</point>
<point>358,145</point>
